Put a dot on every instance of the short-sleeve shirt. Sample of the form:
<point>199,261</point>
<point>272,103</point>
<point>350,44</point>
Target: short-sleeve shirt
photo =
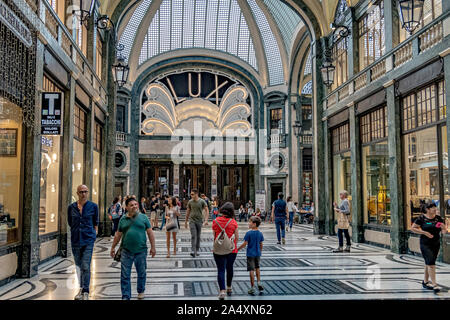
<point>230,229</point>
<point>153,204</point>
<point>429,225</point>
<point>280,208</point>
<point>196,207</point>
<point>290,206</point>
<point>135,233</point>
<point>254,238</point>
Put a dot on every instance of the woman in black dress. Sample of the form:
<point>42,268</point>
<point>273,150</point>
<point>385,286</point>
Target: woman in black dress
<point>429,225</point>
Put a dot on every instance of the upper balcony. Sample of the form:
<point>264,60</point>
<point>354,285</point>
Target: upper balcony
<point>420,42</point>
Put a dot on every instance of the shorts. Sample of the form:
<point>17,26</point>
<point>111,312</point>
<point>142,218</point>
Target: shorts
<point>153,215</point>
<point>429,253</point>
<point>253,263</point>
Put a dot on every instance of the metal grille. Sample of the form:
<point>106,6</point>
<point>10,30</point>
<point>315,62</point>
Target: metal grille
<point>271,287</point>
<point>18,70</point>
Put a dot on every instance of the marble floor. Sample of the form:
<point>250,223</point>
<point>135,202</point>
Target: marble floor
<point>304,268</point>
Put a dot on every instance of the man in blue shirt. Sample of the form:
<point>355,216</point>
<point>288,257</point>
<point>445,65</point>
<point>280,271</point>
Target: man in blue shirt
<point>281,214</point>
<point>83,221</point>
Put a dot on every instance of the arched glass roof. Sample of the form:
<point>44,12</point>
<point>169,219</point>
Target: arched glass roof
<point>221,25</point>
<point>307,88</point>
<point>308,64</point>
<point>210,24</point>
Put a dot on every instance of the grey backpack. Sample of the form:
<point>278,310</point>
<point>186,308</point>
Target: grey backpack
<point>223,244</point>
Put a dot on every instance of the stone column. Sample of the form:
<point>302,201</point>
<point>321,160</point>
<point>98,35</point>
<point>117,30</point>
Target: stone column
<point>110,126</point>
<point>319,136</point>
<point>28,265</point>
<point>391,25</point>
<point>356,178</point>
<point>399,242</point>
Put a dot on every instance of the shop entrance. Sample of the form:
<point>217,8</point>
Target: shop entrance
<point>195,177</point>
<point>274,189</point>
<point>155,178</point>
<point>233,184</point>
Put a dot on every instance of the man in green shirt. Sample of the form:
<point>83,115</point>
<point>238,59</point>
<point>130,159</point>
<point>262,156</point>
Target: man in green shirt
<point>197,212</point>
<point>134,226</point>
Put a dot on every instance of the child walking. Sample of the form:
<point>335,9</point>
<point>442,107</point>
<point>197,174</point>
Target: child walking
<point>254,241</point>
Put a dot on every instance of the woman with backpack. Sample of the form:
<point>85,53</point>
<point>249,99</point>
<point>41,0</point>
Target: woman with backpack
<point>225,230</point>
<point>115,213</point>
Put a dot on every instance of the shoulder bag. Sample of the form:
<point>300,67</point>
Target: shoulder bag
<point>118,254</point>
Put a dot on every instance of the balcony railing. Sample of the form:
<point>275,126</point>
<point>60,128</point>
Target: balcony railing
<point>277,140</point>
<point>64,38</point>
<point>121,137</point>
<point>424,39</point>
<point>307,139</point>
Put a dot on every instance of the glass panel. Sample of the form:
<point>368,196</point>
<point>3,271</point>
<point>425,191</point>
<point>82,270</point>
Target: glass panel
<point>150,183</point>
<point>201,180</point>
<point>50,184</point>
<point>421,171</point>
<point>10,171</point>
<point>163,181</point>
<point>341,176</point>
<point>375,169</point>
<point>445,174</point>
<point>371,36</point>
<point>77,167</point>
<point>96,178</point>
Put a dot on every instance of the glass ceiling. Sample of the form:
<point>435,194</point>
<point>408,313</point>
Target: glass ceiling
<point>216,25</point>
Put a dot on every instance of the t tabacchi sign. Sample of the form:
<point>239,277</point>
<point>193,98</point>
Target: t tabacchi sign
<point>51,117</point>
<point>8,17</point>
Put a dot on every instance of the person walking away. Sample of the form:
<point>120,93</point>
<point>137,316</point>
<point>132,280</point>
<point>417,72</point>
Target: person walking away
<point>172,225</point>
<point>153,214</point>
<point>215,208</point>
<point>83,219</point>
<point>343,212</point>
<point>429,225</point>
<point>165,204</point>
<point>208,204</point>
<point>253,240</point>
<point>224,262</point>
<point>196,212</point>
<point>133,227</point>
<point>279,215</point>
<point>115,213</point>
<point>290,205</point>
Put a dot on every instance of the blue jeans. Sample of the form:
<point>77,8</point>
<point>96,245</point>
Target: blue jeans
<point>115,226</point>
<point>163,221</point>
<point>140,262</point>
<point>291,219</point>
<point>223,262</point>
<point>280,223</point>
<point>83,256</point>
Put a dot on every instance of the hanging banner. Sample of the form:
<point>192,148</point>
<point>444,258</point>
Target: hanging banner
<point>51,114</point>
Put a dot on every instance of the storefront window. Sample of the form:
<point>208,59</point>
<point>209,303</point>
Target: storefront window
<point>50,175</point>
<point>375,160</point>
<point>78,150</point>
<point>421,169</point>
<point>341,162</point>
<point>96,187</point>
<point>10,171</point>
<point>425,151</point>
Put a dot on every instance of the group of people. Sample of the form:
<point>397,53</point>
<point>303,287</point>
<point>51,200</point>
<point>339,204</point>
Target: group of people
<point>132,227</point>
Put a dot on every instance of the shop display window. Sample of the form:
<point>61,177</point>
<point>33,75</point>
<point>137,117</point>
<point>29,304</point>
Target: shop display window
<point>11,171</point>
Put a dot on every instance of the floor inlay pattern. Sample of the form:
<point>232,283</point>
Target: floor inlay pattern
<point>303,268</point>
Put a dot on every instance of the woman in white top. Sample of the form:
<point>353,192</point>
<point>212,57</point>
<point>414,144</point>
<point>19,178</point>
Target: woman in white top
<point>172,214</point>
<point>290,205</point>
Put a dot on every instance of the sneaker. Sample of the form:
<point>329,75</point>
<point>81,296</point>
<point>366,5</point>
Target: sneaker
<point>283,241</point>
<point>338,250</point>
<point>197,254</point>
<point>260,287</point>
<point>222,295</point>
<point>85,296</point>
<point>278,242</point>
<point>251,291</point>
<point>192,254</point>
<point>437,289</point>
<point>79,295</point>
<point>427,285</point>
<point>141,295</point>
<point>347,249</point>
